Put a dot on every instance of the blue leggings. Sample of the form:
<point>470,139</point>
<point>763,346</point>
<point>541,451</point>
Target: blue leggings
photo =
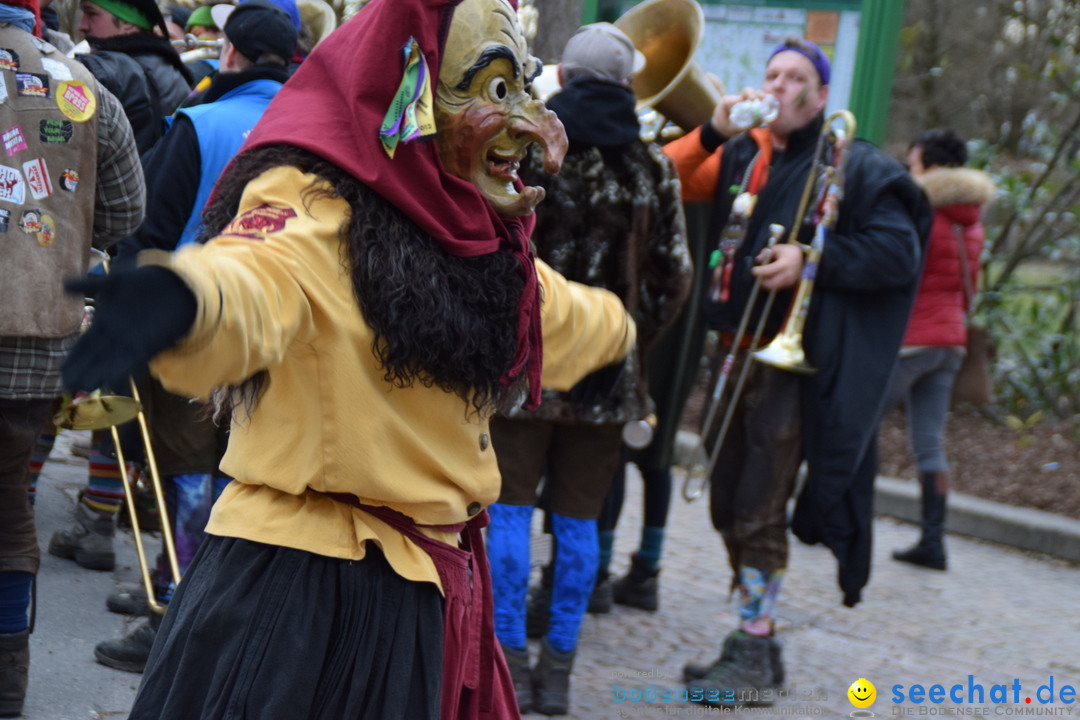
<point>576,560</point>
<point>924,380</point>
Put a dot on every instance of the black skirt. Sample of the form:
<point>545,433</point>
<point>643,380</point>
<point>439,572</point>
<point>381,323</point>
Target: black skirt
<point>261,632</point>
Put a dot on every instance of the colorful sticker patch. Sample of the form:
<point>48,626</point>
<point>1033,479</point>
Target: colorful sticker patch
<point>37,177</point>
<point>14,140</point>
<point>69,180</point>
<point>55,131</point>
<point>5,220</point>
<point>57,69</point>
<point>12,187</point>
<point>76,100</point>
<point>30,222</point>
<point>9,59</point>
<point>259,222</point>
<point>47,234</point>
<point>32,84</point>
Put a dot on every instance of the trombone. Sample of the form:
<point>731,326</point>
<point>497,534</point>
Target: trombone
<point>785,351</point>
<point>99,410</point>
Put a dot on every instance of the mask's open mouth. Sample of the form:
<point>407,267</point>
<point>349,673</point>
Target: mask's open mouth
<point>504,167</point>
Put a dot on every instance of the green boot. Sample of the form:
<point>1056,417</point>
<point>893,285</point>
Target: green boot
<point>747,676</point>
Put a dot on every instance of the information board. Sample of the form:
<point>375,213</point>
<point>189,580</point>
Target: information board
<point>737,39</point>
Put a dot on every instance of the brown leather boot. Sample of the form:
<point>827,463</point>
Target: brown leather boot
<point>14,670</point>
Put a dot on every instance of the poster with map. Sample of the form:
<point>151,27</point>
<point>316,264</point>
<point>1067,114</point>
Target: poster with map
<point>737,39</point>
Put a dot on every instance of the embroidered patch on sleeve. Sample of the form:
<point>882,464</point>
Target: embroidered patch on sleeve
<point>259,222</point>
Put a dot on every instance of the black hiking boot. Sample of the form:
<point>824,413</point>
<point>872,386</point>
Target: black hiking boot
<point>538,604</point>
<point>130,652</point>
<point>639,588</point>
<point>551,681</point>
<point>14,671</point>
<point>518,661</point>
<point>602,599</point>
<point>89,541</point>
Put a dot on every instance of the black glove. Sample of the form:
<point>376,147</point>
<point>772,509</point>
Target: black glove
<point>137,314</point>
<point>597,385</point>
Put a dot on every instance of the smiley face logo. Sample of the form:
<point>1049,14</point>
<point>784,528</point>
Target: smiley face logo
<point>862,693</point>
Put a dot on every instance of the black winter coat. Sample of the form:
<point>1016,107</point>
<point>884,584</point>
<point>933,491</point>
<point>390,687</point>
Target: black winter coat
<point>863,293</point>
<point>612,218</point>
<point>146,75</point>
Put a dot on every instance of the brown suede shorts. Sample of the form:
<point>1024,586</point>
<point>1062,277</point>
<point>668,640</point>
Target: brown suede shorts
<point>576,461</point>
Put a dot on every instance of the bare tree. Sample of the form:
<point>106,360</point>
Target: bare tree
<point>558,21</point>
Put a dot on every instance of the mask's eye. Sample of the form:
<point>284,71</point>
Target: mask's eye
<point>497,89</point>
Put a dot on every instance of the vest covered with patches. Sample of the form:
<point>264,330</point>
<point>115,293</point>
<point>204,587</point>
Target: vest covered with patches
<point>48,173</point>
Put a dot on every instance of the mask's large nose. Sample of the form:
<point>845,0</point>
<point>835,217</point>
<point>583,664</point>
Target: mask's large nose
<point>530,117</point>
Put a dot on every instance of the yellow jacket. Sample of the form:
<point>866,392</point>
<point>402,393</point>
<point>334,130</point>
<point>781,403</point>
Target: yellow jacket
<point>327,420</point>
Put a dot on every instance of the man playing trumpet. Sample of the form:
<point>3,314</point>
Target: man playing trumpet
<point>865,283</point>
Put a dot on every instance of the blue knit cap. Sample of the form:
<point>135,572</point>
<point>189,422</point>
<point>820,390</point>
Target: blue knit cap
<point>811,52</point>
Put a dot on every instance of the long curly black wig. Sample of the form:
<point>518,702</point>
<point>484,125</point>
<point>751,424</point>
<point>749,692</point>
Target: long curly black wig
<point>438,320</point>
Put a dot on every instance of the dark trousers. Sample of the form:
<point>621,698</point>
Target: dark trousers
<point>20,423</point>
<point>755,473</point>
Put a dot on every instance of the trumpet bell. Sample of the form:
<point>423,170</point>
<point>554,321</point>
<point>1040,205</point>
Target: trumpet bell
<point>667,33</point>
<point>318,20</point>
<point>97,411</point>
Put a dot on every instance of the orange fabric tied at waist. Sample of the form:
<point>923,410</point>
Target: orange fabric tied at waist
<point>476,683</point>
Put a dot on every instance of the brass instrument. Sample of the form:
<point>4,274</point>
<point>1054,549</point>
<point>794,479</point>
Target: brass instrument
<point>785,351</point>
<point>192,48</point>
<point>693,490</point>
<point>667,33</point>
<point>99,410</point>
<point>318,20</point>
<point>672,85</point>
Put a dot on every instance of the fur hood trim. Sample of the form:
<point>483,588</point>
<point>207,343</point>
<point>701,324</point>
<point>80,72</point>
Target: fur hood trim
<point>947,186</point>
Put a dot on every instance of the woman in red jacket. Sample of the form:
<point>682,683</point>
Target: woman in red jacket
<point>934,344</point>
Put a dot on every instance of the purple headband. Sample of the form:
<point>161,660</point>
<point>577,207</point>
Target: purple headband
<point>812,53</point>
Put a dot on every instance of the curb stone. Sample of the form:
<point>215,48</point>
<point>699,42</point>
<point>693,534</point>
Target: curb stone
<point>1023,528</point>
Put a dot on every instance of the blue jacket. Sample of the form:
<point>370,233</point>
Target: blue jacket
<point>222,126</point>
<point>183,166</point>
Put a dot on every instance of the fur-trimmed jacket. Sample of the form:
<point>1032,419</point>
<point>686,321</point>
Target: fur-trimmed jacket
<point>612,218</point>
<point>957,196</point>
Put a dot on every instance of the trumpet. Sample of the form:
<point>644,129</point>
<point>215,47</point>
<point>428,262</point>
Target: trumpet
<point>785,351</point>
<point>99,410</point>
<point>192,48</point>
